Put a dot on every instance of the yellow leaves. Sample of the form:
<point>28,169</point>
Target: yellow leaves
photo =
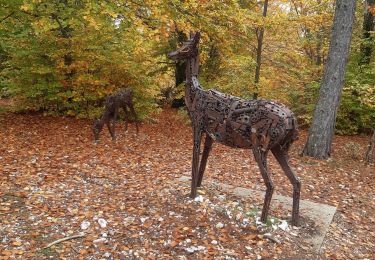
<point>19,252</point>
<point>17,243</point>
<point>27,7</point>
<point>43,25</point>
<point>4,208</point>
<point>53,220</point>
<point>112,14</point>
<point>369,97</point>
<point>105,56</point>
<point>74,211</point>
<point>92,21</point>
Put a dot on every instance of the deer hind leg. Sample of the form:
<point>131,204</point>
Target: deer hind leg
<point>261,159</point>
<point>126,118</point>
<point>206,151</point>
<point>282,159</point>
<point>195,163</point>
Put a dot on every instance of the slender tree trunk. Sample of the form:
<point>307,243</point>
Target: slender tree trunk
<point>368,27</point>
<point>321,132</point>
<point>371,147</point>
<point>179,71</point>
<point>260,34</point>
<point>366,51</point>
<point>319,37</point>
<point>180,66</point>
<point>319,44</point>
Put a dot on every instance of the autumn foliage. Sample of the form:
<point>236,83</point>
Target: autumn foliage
<point>64,57</point>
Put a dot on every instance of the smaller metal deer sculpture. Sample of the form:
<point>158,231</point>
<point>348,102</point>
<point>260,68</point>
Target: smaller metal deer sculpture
<point>120,99</point>
<point>260,125</point>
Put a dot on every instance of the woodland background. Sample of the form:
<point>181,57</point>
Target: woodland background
<point>62,57</point>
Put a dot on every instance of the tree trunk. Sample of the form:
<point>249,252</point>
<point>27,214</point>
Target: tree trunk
<point>371,147</point>
<point>319,44</point>
<point>368,26</point>
<point>321,132</point>
<point>259,51</point>
<point>180,66</point>
<point>179,71</point>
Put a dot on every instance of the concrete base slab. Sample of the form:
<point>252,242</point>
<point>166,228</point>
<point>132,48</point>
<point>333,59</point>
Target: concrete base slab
<point>317,216</point>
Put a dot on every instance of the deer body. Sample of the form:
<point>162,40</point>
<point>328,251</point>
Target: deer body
<point>260,125</point>
<point>241,123</point>
<point>120,99</point>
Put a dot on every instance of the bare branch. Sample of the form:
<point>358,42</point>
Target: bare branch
<point>28,13</point>
<point>6,17</point>
<point>64,239</point>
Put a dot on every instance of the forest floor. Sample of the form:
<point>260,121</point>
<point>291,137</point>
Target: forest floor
<point>124,201</point>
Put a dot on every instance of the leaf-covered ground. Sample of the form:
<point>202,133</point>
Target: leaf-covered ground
<point>125,200</point>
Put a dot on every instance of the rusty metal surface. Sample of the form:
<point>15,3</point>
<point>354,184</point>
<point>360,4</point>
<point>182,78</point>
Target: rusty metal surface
<point>260,125</point>
<point>123,98</point>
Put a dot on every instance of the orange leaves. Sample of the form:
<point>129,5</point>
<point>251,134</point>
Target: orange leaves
<point>371,8</point>
<point>132,185</point>
<point>174,243</point>
<point>10,254</point>
<point>16,243</point>
<point>4,208</point>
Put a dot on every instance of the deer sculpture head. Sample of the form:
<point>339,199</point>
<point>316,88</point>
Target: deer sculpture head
<point>189,48</point>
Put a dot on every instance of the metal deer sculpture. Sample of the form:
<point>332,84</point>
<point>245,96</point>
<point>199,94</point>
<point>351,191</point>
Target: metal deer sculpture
<point>260,125</point>
<point>120,99</point>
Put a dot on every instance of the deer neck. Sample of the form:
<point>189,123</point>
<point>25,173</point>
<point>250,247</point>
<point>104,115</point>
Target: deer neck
<point>192,70</point>
<point>192,83</point>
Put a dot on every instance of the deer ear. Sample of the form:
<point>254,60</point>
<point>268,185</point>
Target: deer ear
<point>196,38</point>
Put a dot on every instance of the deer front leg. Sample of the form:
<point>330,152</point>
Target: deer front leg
<point>261,159</point>
<point>195,163</point>
<point>135,117</point>
<point>96,128</point>
<point>111,122</point>
<point>111,128</point>
<point>282,159</point>
<point>206,151</point>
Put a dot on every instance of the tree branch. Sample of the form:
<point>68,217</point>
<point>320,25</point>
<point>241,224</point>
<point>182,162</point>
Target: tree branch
<point>64,239</point>
<point>62,29</point>
<point>6,17</point>
<point>28,13</point>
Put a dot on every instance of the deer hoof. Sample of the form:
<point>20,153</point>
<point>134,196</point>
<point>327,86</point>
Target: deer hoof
<point>193,195</point>
<point>295,222</point>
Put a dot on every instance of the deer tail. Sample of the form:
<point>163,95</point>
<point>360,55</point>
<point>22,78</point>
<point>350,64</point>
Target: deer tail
<point>291,136</point>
